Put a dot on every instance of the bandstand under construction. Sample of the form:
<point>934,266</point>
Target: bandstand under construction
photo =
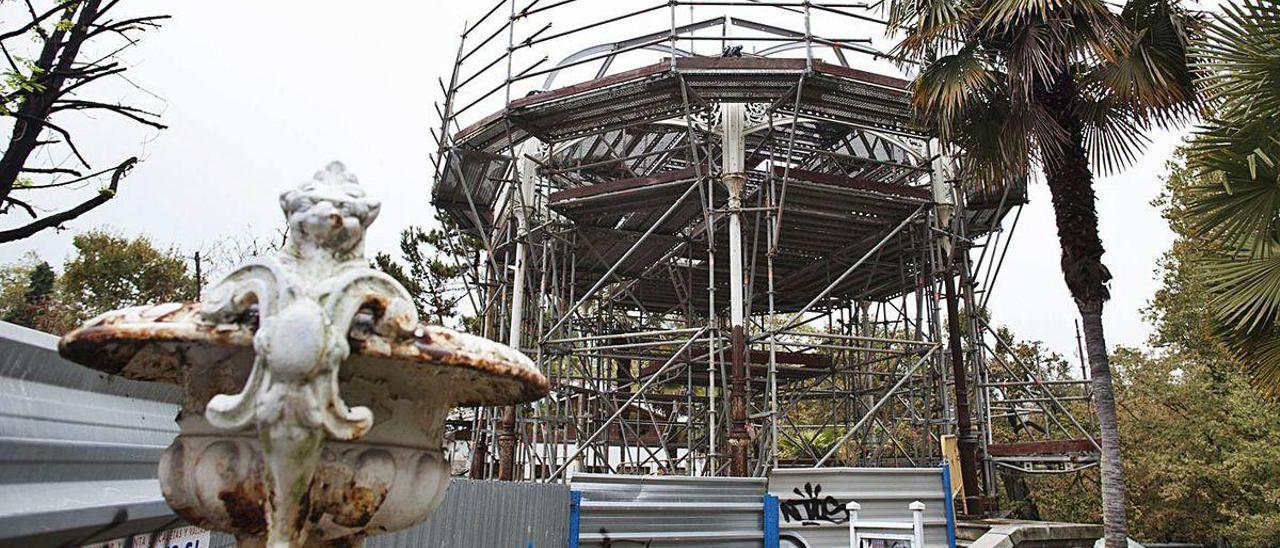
<point>729,247</point>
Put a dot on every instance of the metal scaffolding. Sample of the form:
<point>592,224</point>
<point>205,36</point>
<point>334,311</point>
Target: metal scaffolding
<point>724,244</point>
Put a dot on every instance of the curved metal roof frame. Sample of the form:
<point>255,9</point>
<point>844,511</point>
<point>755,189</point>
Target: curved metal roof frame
<point>628,45</point>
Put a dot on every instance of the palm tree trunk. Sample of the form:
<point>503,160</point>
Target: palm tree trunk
<point>1071,185</point>
<point>1104,399</point>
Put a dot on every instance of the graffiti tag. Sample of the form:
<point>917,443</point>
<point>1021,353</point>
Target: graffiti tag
<point>813,508</point>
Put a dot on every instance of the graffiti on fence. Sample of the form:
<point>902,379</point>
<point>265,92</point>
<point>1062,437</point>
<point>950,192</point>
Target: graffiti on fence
<point>813,508</point>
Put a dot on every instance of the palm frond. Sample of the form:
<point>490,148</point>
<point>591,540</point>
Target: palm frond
<point>1032,53</point>
<point>1114,134</point>
<point>950,85</point>
<point>996,142</point>
<point>1152,72</point>
<point>1245,291</point>
<point>930,27</point>
<point>1246,288</point>
<point>1238,146</point>
<point>1242,62</point>
<point>1079,29</point>
<point>1238,201</point>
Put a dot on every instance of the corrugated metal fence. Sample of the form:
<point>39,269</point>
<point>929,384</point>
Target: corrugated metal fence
<point>812,502</point>
<point>79,452</point>
<point>491,514</point>
<point>658,511</point>
<point>78,449</point>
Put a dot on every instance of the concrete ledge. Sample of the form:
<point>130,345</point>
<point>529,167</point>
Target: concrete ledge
<point>1034,534</point>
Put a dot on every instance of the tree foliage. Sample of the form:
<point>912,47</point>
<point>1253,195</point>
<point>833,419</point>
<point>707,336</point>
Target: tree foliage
<point>432,266</point>
<point>110,271</point>
<point>992,70</point>
<point>1069,86</point>
<point>107,272</point>
<point>30,298</point>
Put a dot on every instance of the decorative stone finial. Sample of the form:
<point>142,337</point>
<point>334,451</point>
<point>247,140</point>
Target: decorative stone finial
<point>328,214</point>
<point>307,298</point>
<point>268,447</point>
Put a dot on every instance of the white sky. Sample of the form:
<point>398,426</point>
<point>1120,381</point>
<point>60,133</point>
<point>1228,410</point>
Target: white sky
<point>259,95</point>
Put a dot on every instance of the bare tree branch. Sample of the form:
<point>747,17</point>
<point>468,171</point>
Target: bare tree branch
<point>82,80</point>
<point>36,20</point>
<point>68,182</point>
<point>14,201</point>
<point>121,27</point>
<point>50,170</point>
<point>66,135</point>
<point>12,64</point>
<point>56,220</point>
<point>135,114</point>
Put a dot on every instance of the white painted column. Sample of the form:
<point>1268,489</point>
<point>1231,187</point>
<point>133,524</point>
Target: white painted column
<point>939,174</point>
<point>523,204</point>
<point>734,177</point>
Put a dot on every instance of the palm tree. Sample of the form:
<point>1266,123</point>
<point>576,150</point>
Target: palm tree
<point>1070,87</point>
<point>1236,203</point>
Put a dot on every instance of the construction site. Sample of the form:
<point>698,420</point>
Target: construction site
<point>718,231</point>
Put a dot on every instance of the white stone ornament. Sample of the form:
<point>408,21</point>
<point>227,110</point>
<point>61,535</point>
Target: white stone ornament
<point>307,297</point>
<point>268,448</point>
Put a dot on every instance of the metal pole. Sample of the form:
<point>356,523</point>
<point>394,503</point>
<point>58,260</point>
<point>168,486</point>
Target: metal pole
<point>945,200</point>
<point>627,404</point>
<point>874,408</point>
<point>507,437</point>
<point>964,428</point>
<point>734,177</point>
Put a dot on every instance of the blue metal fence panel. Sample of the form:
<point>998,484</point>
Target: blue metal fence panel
<point>951,505</point>
<point>575,517</point>
<point>770,521</point>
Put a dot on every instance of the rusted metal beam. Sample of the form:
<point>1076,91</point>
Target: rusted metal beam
<point>1050,447</point>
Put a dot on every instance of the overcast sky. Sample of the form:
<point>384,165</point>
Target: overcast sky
<point>259,95</point>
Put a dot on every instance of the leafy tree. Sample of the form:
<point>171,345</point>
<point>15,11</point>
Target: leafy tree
<point>38,291</point>
<point>1234,202</point>
<point>1068,86</point>
<point>41,87</point>
<point>16,293</point>
<point>433,269</point>
<point>107,272</point>
<point>110,272</point>
<point>30,296</point>
<point>13,281</point>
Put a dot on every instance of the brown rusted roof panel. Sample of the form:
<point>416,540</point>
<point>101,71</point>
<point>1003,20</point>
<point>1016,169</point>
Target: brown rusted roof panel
<point>619,185</point>
<point>1051,447</point>
<point>915,193</point>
